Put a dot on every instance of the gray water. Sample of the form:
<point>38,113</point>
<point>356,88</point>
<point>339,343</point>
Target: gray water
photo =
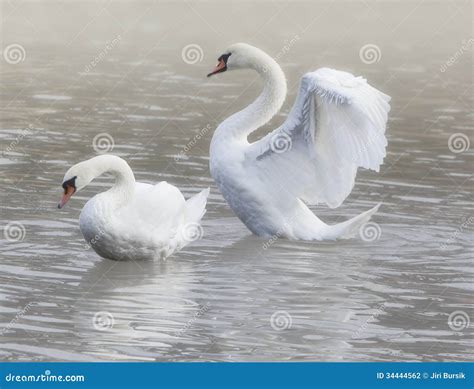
<point>407,295</point>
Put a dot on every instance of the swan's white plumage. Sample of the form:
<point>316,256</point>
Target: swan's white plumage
<point>133,220</point>
<point>336,125</point>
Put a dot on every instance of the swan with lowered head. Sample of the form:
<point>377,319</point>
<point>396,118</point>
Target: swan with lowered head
<point>336,125</point>
<point>133,220</point>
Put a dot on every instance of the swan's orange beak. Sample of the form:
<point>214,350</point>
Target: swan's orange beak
<point>68,192</point>
<point>220,67</point>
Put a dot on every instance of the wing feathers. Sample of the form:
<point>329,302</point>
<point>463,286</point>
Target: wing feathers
<point>336,125</point>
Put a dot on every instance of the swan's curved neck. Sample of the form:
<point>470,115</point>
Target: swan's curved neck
<point>124,187</point>
<point>241,124</point>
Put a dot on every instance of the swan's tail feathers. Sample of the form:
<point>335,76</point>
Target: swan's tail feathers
<point>196,206</point>
<point>352,227</point>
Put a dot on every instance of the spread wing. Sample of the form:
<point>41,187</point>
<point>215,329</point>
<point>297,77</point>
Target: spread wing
<point>336,125</point>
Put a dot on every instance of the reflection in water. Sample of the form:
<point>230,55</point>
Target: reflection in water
<point>231,296</point>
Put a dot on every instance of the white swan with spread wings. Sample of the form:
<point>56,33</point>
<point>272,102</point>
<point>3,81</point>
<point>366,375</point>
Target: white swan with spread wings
<point>336,125</point>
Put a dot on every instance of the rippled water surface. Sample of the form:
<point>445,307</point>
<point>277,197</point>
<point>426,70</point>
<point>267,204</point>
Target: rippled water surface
<point>387,299</point>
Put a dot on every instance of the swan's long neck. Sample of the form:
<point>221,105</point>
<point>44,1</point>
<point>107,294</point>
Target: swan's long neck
<point>241,124</point>
<point>124,187</point>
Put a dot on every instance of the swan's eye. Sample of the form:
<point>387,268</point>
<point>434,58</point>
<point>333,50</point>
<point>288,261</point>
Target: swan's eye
<point>224,58</point>
<point>70,183</point>
<point>69,187</point>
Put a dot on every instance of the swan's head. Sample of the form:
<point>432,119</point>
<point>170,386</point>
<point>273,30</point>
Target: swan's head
<point>76,178</point>
<point>240,56</point>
